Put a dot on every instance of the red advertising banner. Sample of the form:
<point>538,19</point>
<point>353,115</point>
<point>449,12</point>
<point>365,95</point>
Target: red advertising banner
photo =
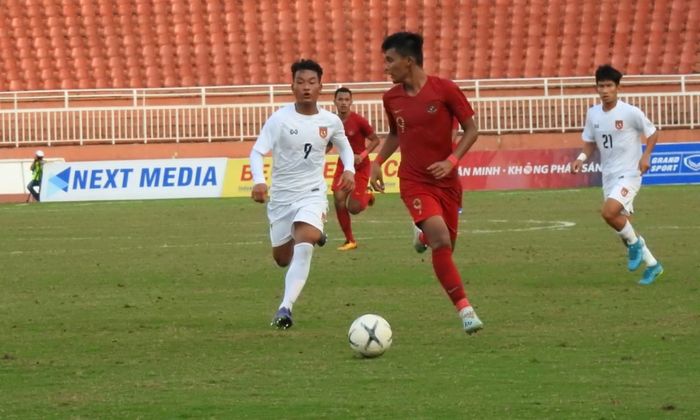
<point>526,169</point>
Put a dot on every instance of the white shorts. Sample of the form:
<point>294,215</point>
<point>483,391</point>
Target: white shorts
<point>623,190</point>
<point>310,210</point>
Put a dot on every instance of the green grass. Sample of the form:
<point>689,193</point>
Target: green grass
<point>161,309</point>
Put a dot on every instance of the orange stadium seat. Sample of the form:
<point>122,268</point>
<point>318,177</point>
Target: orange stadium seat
<point>253,41</point>
<point>51,9</point>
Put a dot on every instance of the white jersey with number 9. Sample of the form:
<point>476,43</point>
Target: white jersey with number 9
<point>298,143</point>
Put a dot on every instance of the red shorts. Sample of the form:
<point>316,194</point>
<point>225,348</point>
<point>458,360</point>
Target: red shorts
<point>361,180</point>
<point>425,200</point>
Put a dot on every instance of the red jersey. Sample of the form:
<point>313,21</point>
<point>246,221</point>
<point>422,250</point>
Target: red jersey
<point>357,129</point>
<point>423,124</point>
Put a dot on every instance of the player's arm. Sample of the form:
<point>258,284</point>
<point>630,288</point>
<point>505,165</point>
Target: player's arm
<point>391,143</point>
<point>257,167</point>
<point>461,109</point>
<point>586,152</point>
<point>373,142</point>
<point>471,133</point>
<point>443,168</point>
<point>376,179</point>
<point>368,133</point>
<point>589,146</point>
<point>652,135</point>
<point>259,191</point>
<point>645,161</point>
<point>342,145</point>
<point>455,131</point>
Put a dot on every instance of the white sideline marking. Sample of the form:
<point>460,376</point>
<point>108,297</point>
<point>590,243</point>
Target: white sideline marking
<point>553,225</point>
<point>541,225</point>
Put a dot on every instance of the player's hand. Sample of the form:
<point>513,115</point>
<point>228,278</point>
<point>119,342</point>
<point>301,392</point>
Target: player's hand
<point>376,179</point>
<point>644,163</point>
<point>576,166</point>
<point>259,193</point>
<point>347,181</point>
<point>440,169</point>
<point>358,159</point>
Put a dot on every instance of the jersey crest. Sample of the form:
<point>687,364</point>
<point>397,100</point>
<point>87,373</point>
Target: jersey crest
<point>418,205</point>
<point>619,124</point>
<point>401,123</point>
<point>323,132</point>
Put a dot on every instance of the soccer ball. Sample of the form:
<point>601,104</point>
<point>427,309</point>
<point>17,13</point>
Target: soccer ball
<point>370,335</point>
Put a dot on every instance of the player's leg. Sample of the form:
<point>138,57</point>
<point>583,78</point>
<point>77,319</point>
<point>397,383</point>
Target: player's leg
<point>340,199</point>
<point>281,224</point>
<point>654,269</point>
<point>427,211</point>
<point>361,196</point>
<point>307,230</point>
<point>616,210</point>
<point>440,240</point>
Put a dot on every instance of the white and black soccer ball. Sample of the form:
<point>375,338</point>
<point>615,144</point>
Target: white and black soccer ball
<point>370,335</point>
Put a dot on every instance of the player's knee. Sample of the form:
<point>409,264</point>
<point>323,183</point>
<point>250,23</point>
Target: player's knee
<point>282,261</point>
<point>440,241</point>
<point>608,214</point>
<point>282,256</point>
<point>355,208</point>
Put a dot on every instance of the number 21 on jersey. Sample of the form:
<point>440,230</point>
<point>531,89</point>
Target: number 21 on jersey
<point>607,141</point>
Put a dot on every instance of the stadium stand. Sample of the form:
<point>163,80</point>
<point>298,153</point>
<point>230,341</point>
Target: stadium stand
<point>51,44</point>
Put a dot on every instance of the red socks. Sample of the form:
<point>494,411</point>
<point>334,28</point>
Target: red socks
<point>345,223</point>
<point>449,277</point>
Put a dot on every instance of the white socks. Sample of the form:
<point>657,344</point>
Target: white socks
<point>627,234</point>
<point>649,259</point>
<point>630,237</point>
<point>297,273</point>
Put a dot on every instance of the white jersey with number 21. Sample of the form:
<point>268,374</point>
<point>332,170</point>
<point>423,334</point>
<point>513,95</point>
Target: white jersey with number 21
<point>617,134</point>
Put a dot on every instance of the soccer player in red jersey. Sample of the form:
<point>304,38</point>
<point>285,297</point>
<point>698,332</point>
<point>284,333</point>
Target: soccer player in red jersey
<point>420,109</point>
<point>357,129</point>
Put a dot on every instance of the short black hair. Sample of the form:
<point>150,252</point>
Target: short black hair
<point>306,64</point>
<point>342,89</point>
<point>608,72</point>
<point>407,44</point>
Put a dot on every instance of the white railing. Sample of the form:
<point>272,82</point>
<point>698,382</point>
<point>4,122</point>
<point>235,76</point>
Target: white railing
<point>220,122</point>
<point>273,94</point>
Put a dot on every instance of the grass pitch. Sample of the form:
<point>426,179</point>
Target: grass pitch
<point>161,309</point>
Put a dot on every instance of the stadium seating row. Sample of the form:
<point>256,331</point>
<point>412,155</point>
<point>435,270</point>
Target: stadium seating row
<point>56,44</point>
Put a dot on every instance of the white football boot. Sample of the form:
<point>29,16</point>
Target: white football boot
<point>470,321</point>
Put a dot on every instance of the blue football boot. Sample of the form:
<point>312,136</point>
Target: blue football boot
<point>651,273</point>
<point>634,254</point>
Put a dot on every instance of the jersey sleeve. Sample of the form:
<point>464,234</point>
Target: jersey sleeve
<point>389,117</point>
<point>588,135</point>
<point>456,101</point>
<point>338,137</point>
<point>342,145</point>
<point>268,135</point>
<point>643,124</point>
<point>365,128</point>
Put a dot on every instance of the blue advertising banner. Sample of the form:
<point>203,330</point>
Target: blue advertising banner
<point>133,179</point>
<point>674,163</point>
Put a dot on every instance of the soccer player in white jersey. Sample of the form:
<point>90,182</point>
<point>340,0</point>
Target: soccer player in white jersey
<point>297,135</point>
<point>615,129</point>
